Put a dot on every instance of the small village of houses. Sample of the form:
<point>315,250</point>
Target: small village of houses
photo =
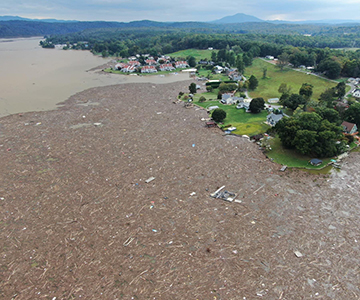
<point>165,63</point>
<point>150,65</point>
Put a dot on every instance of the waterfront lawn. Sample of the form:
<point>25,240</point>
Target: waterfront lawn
<point>290,157</point>
<point>109,70</point>
<point>245,123</point>
<point>198,54</point>
<point>268,87</point>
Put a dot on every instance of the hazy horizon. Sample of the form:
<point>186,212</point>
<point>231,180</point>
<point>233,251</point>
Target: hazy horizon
<point>164,11</point>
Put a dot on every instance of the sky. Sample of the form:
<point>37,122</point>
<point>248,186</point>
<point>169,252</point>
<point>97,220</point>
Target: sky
<point>184,10</point>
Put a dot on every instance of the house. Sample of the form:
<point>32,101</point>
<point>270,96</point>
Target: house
<point>356,93</point>
<point>128,69</point>
<point>273,100</point>
<point>218,69</point>
<point>245,105</point>
<point>148,69</point>
<point>119,66</point>
<point>269,57</point>
<point>229,99</point>
<point>315,162</point>
<point>150,62</point>
<point>181,64</point>
<point>166,67</point>
<point>162,60</point>
<point>134,63</point>
<point>272,119</point>
<point>349,128</point>
<point>234,75</point>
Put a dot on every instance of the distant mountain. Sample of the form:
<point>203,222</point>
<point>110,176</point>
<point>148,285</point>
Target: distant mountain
<point>17,18</point>
<point>238,18</point>
<point>13,18</point>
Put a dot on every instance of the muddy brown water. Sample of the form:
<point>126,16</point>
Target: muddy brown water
<point>35,79</point>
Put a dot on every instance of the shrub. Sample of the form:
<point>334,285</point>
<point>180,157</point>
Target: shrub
<point>202,99</point>
<point>219,115</point>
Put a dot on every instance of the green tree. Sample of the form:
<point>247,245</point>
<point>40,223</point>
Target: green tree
<point>253,82</point>
<point>192,88</point>
<point>240,64</point>
<point>237,49</point>
<point>264,72</point>
<point>202,99</point>
<point>294,101</point>
<point>309,134</point>
<point>340,89</point>
<point>330,67</point>
<point>283,60</point>
<point>209,88</point>
<point>213,56</point>
<point>327,97</point>
<point>247,58</point>
<point>284,88</point>
<point>305,140</point>
<point>257,105</point>
<point>192,61</point>
<point>329,114</point>
<point>227,87</point>
<point>221,55</point>
<point>306,90</point>
<point>219,115</point>
<point>352,114</point>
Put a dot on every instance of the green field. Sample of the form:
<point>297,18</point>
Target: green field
<point>198,54</point>
<point>268,87</point>
<point>245,123</point>
<point>290,157</point>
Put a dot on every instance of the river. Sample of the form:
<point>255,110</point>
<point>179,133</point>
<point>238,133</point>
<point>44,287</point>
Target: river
<point>36,79</point>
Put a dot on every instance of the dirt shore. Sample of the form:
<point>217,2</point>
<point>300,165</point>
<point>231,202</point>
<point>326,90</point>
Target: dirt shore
<point>79,221</point>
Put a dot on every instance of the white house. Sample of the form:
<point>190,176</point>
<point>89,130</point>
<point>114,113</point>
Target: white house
<point>181,64</point>
<point>148,69</point>
<point>128,69</point>
<point>356,93</point>
<point>166,67</point>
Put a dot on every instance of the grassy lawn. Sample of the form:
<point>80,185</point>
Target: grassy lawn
<point>142,74</point>
<point>205,73</point>
<point>198,54</point>
<point>245,123</point>
<point>290,157</point>
<point>268,87</point>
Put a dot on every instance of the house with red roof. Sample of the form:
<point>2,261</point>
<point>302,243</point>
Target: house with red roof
<point>166,67</point>
<point>128,69</point>
<point>148,69</point>
<point>150,62</point>
<point>119,66</point>
<point>134,63</point>
<point>181,64</point>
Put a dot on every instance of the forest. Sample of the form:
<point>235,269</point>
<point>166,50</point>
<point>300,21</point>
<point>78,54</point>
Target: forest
<point>319,51</point>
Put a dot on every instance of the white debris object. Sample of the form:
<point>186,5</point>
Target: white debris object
<point>149,179</point>
<point>298,254</point>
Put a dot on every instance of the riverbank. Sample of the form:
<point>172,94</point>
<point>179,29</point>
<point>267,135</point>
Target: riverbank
<point>37,79</point>
<point>79,220</point>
